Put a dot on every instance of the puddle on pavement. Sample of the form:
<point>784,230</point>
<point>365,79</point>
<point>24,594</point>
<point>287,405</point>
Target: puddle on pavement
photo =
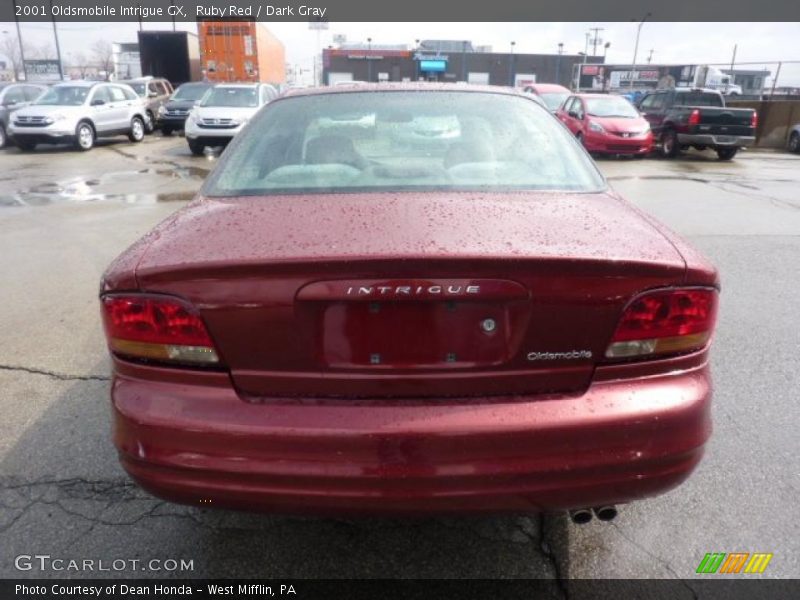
<point>79,189</point>
<point>44,199</point>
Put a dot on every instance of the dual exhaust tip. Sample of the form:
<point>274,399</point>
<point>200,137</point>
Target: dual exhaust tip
<point>581,516</point>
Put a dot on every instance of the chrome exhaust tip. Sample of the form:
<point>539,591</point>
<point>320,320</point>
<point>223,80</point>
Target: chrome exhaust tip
<point>580,516</point>
<point>605,513</point>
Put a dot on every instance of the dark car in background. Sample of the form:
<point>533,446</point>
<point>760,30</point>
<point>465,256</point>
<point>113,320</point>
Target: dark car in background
<point>155,91</point>
<point>172,115</point>
<point>793,143</point>
<point>12,97</point>
<point>686,118</point>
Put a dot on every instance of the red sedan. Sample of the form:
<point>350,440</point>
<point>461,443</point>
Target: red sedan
<point>607,124</point>
<point>342,321</point>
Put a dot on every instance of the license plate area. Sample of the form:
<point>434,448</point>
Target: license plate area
<point>444,334</point>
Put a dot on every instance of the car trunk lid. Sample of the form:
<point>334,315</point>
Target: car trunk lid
<point>410,295</point>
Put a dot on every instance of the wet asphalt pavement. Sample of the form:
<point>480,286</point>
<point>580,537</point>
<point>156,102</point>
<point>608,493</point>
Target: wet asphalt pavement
<point>64,215</point>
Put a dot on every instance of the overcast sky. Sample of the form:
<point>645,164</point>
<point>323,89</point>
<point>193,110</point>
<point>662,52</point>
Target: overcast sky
<point>696,43</point>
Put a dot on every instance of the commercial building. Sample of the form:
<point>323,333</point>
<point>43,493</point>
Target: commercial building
<point>448,61</point>
<point>126,60</point>
<point>241,51</point>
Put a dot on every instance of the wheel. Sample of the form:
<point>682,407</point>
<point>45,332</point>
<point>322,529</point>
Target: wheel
<point>166,130</point>
<point>84,136</point>
<point>2,136</point>
<point>726,153</point>
<point>794,142</point>
<point>669,144</point>
<point>196,147</point>
<point>149,123</point>
<point>25,145</point>
<point>136,133</point>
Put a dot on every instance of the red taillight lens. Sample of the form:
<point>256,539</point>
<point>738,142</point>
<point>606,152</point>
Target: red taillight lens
<point>754,120</point>
<point>694,117</point>
<point>665,322</point>
<point>157,328</point>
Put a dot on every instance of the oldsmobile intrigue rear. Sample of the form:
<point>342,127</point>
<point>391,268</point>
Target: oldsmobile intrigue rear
<point>409,299</point>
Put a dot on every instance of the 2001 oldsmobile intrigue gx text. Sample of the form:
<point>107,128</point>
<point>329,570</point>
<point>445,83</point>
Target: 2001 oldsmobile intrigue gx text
<point>409,299</point>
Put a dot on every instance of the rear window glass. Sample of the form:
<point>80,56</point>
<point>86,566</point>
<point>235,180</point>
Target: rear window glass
<point>401,140</point>
<point>698,99</point>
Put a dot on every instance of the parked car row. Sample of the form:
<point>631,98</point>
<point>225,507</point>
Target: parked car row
<point>668,121</point>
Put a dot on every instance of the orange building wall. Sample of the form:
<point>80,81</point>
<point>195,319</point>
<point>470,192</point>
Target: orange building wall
<point>224,52</point>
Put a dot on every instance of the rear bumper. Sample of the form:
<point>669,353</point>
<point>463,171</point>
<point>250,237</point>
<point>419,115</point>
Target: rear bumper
<point>199,443</point>
<point>728,141</point>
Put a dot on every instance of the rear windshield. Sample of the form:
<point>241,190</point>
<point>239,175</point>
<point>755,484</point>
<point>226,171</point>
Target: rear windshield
<point>230,96</point>
<point>190,92</point>
<point>554,100</point>
<point>139,88</point>
<point>64,95</point>
<point>398,140</point>
<point>698,99</point>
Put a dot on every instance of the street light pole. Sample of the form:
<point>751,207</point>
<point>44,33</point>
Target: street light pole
<point>511,66</point>
<point>558,62</point>
<point>636,47</point>
<point>369,62</point>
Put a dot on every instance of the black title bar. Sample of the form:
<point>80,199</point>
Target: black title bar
<point>148,11</point>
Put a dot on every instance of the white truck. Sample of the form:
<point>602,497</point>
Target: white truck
<point>712,78</point>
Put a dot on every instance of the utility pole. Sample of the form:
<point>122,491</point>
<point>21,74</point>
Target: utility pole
<point>21,49</point>
<point>596,39</point>
<point>636,47</point>
<point>58,46</point>
<point>733,58</point>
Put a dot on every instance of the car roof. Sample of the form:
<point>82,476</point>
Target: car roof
<point>416,86</point>
<point>79,83</point>
<point>547,87</point>
<point>238,84</point>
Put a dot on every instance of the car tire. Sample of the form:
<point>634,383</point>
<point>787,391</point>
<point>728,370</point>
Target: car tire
<point>3,137</point>
<point>136,133</point>
<point>670,148</point>
<point>166,131</point>
<point>726,153</point>
<point>196,148</point>
<point>794,142</point>
<point>25,145</point>
<point>84,136</point>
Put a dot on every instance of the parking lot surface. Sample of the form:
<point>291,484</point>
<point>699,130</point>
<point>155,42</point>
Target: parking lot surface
<point>64,215</point>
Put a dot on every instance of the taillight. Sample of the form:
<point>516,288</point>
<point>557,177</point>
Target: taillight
<point>157,328</point>
<point>694,117</point>
<point>665,322</point>
<point>754,120</point>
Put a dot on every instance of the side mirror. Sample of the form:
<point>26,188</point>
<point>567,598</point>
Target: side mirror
<point>573,114</point>
<point>152,94</point>
<point>98,102</point>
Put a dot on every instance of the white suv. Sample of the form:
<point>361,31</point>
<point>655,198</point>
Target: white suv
<point>78,112</point>
<point>222,113</point>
